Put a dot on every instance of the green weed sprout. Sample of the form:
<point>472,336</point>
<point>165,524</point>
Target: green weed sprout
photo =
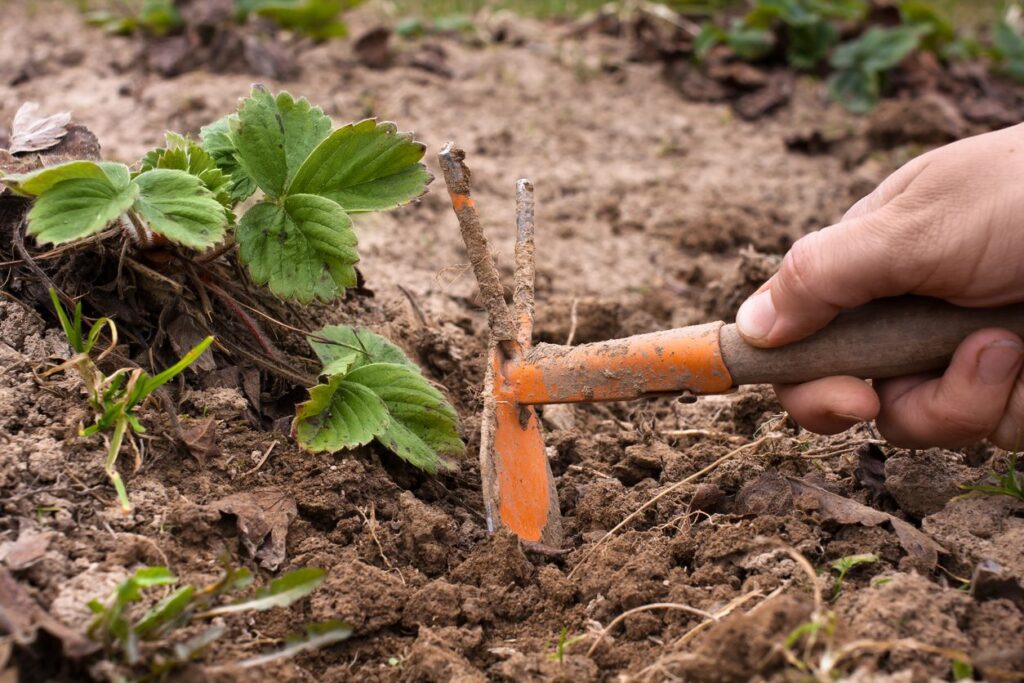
<point>563,645</point>
<point>1009,484</point>
<point>844,564</point>
<point>121,633</point>
<point>113,398</point>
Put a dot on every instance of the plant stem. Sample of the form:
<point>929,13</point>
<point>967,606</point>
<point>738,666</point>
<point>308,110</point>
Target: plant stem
<point>109,467</point>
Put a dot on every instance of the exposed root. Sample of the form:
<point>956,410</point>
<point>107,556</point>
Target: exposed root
<point>646,608</point>
<point>370,521</point>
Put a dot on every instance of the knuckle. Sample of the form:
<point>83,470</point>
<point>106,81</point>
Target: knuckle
<point>1009,434</point>
<point>799,265</point>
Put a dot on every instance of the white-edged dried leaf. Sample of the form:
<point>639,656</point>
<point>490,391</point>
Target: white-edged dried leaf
<point>34,133</point>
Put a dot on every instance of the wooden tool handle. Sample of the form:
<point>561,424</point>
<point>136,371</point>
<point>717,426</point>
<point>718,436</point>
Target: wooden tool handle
<point>886,338</point>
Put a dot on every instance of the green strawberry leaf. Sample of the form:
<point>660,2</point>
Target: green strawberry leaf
<point>350,348</point>
<point>177,206</point>
<point>423,425</point>
<point>855,89</point>
<point>302,248</point>
<point>879,49</point>
<point>850,10</point>
<point>317,19</point>
<point>808,45</point>
<point>77,207</point>
<point>339,415</point>
<point>710,37</point>
<point>274,135</point>
<point>37,182</point>
<point>184,154</point>
<point>216,139</point>
<point>365,166</point>
<point>749,43</point>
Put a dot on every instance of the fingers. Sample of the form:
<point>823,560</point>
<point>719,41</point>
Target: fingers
<point>831,405</point>
<point>842,266</point>
<point>979,396</point>
<point>889,188</point>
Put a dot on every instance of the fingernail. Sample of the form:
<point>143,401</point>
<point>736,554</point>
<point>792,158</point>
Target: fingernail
<point>1000,361</point>
<point>756,316</point>
<point>855,419</point>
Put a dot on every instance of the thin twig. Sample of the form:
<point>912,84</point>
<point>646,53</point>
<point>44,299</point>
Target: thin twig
<point>682,433</point>
<point>417,309</point>
<point>263,362</point>
<point>208,274</point>
<point>148,272</point>
<point>573,322</point>
<point>812,576</point>
<point>646,608</point>
<point>457,178</point>
<point>19,246</point>
<point>235,306</point>
<point>724,612</point>
<point>693,477</point>
<point>79,245</point>
<point>525,280</point>
<point>211,256</point>
<point>263,459</point>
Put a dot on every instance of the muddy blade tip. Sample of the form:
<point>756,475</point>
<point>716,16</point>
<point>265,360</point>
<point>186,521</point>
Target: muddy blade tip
<point>526,500</point>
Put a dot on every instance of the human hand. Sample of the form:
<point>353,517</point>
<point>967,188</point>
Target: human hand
<point>949,224</point>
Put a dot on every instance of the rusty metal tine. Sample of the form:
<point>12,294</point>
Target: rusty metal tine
<point>525,263</point>
<point>457,178</point>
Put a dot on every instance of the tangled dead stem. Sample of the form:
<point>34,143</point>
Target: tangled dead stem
<point>704,584</point>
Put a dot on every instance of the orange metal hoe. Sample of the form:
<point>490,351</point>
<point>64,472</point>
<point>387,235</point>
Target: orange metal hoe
<point>883,339</point>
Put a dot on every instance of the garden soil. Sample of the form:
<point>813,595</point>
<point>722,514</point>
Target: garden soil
<point>652,212</point>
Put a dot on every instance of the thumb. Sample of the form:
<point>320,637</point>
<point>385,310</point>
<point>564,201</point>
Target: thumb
<point>841,266</point>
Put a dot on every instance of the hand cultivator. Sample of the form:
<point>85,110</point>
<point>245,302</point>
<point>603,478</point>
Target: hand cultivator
<point>886,338</point>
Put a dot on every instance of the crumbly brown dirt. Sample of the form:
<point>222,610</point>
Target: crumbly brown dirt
<point>652,212</point>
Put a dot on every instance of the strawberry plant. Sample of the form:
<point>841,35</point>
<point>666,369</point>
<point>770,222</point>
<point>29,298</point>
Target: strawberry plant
<point>373,392</point>
<point>859,66</point>
<point>807,29</point>
<point>807,34</point>
<point>317,19</point>
<point>1008,46</point>
<point>297,239</point>
<point>157,17</point>
<point>301,181</point>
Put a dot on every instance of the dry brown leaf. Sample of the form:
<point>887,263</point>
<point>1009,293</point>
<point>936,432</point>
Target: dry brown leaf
<point>185,335</point>
<point>26,551</point>
<point>918,544</point>
<point>201,440</point>
<point>21,617</point>
<point>33,133</point>
<point>263,519</point>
